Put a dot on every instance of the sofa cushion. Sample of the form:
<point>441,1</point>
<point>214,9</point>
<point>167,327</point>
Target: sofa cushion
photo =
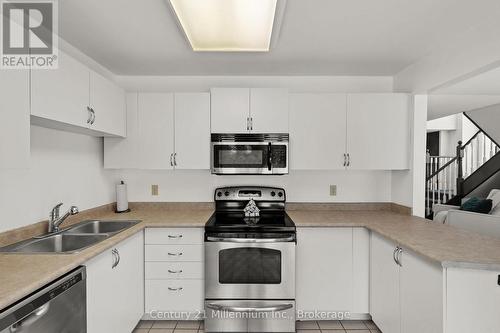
<point>441,217</point>
<point>495,198</point>
<point>477,205</point>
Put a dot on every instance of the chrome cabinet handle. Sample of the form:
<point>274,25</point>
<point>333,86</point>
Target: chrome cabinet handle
<point>89,112</point>
<point>174,236</point>
<point>348,159</point>
<point>171,159</point>
<point>248,123</point>
<point>175,159</point>
<point>175,289</point>
<point>345,159</point>
<point>250,240</point>
<point>175,272</point>
<point>394,255</point>
<point>251,123</point>
<point>280,307</point>
<point>398,256</point>
<point>115,258</point>
<point>93,116</point>
<point>178,254</point>
<point>119,258</point>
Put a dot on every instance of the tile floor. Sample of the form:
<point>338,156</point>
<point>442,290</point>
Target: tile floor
<point>351,326</point>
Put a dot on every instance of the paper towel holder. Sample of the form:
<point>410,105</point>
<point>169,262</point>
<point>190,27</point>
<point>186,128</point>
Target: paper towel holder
<point>116,206</point>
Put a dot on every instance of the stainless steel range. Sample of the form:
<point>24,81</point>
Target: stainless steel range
<point>250,262</point>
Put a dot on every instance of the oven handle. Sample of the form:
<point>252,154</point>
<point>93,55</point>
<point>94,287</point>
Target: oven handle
<point>280,307</point>
<point>250,240</point>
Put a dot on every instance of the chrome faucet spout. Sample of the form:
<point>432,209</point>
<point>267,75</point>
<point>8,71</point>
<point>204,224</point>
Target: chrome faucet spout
<point>55,220</point>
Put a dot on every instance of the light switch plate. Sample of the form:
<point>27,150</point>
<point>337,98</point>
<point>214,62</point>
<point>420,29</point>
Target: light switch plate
<point>333,190</point>
<point>154,189</point>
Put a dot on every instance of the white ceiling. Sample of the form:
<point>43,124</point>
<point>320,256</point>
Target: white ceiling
<point>319,37</point>
<point>487,83</point>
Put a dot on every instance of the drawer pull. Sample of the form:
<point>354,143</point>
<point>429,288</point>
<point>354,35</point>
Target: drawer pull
<point>174,236</point>
<point>175,272</point>
<point>175,254</point>
<point>175,289</point>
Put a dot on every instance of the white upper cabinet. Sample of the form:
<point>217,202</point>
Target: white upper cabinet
<point>192,131</point>
<point>107,101</point>
<point>15,115</point>
<point>62,94</point>
<point>378,131</point>
<point>156,128</point>
<point>317,131</point>
<point>268,110</point>
<point>230,110</point>
<point>245,110</point>
<point>73,97</point>
<point>165,131</point>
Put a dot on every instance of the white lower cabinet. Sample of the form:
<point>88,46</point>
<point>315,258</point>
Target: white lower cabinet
<point>407,297</point>
<point>115,287</point>
<point>174,273</point>
<point>473,297</point>
<point>332,271</point>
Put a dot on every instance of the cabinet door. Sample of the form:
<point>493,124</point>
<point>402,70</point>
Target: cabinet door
<point>100,293</point>
<point>384,286</point>
<point>361,270</point>
<point>192,131</point>
<point>378,131</point>
<point>317,131</point>
<point>156,128</point>
<point>421,295</point>
<point>61,94</point>
<point>129,284</point>
<point>230,109</point>
<point>123,153</point>
<point>15,115</point>
<point>108,101</point>
<point>269,110</point>
<point>324,269</point>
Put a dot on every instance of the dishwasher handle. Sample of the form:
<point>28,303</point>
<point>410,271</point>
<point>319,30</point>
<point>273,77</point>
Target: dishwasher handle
<point>30,319</point>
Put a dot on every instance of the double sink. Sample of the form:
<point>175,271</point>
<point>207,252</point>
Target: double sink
<point>70,240</point>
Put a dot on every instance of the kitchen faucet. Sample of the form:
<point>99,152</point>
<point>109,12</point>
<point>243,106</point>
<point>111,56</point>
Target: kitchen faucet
<point>55,220</point>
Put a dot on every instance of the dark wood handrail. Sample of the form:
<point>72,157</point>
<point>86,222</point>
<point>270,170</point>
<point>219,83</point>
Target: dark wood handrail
<point>470,140</point>
<point>441,168</point>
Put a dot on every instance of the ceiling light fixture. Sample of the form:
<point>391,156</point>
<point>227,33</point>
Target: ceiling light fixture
<point>227,25</point>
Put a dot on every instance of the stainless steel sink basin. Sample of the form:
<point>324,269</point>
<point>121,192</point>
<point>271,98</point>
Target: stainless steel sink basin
<point>59,243</point>
<point>100,227</point>
<point>73,239</point>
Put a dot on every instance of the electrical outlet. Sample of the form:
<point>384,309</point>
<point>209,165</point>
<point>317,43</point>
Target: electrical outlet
<point>333,190</point>
<point>154,189</point>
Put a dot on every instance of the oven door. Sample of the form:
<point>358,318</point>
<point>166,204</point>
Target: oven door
<point>247,268</point>
<point>249,158</point>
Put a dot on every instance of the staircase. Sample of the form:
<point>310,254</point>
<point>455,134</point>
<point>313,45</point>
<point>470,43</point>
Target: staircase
<point>451,178</point>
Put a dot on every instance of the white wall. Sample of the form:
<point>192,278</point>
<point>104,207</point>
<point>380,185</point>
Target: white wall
<point>64,167</point>
<point>301,186</point>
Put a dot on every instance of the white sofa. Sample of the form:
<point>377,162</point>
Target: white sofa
<point>487,224</point>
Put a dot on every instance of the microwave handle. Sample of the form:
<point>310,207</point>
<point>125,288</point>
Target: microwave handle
<point>269,157</point>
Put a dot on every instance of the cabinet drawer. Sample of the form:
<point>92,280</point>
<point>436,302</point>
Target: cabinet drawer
<point>174,270</point>
<point>174,236</point>
<point>174,295</point>
<point>174,252</point>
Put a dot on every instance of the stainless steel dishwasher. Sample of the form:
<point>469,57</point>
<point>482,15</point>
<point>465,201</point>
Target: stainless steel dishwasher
<point>59,307</point>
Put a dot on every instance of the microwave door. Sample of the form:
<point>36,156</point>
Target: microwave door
<point>240,158</point>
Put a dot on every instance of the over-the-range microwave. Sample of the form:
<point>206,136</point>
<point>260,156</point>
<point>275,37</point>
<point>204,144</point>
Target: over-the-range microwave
<point>249,154</point>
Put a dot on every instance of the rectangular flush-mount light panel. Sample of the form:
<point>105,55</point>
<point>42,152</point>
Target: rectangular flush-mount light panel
<point>226,25</point>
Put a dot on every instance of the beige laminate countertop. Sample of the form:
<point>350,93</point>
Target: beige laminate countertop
<point>22,274</point>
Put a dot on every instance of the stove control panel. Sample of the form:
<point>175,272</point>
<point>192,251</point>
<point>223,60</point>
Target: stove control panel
<point>245,193</point>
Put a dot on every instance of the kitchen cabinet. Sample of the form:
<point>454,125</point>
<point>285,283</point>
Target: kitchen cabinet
<point>402,294</point>
<point>249,110</point>
<point>350,131</point>
<point>331,263</point>
<point>75,98</point>
<point>378,136</point>
<point>115,287</point>
<point>174,272</point>
<point>15,124</point>
<point>192,131</point>
<point>472,300</point>
<point>107,100</point>
<point>317,131</point>
<point>165,131</point>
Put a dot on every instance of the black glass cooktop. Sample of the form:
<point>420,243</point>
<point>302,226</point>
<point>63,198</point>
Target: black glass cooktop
<point>237,222</point>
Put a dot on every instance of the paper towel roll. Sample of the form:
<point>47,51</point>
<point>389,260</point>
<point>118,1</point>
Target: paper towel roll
<point>121,197</point>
